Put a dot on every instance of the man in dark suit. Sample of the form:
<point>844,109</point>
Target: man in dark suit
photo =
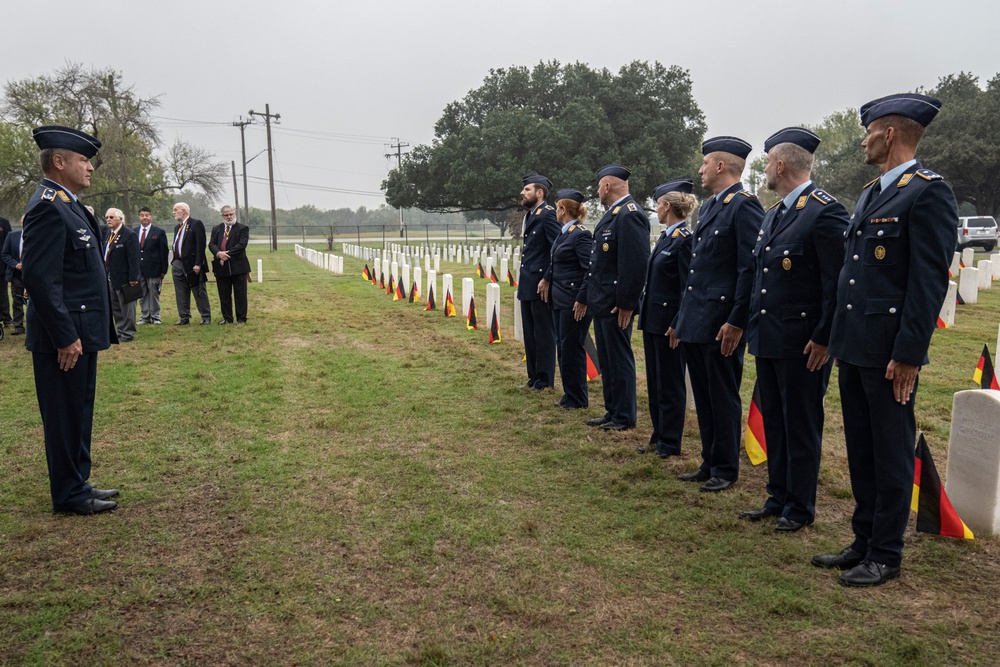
<point>5,231</point>
<point>11,256</point>
<point>121,259</point>
<point>540,229</point>
<point>230,265</point>
<point>189,267</point>
<point>612,289</point>
<point>714,309</point>
<point>895,276</point>
<point>798,254</point>
<point>69,314</point>
<point>154,262</point>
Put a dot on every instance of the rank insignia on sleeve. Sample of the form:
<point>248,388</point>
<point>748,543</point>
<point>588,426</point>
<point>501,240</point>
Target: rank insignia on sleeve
<point>801,202</point>
<point>728,198</point>
<point>632,207</point>
<point>929,175</point>
<point>823,197</point>
<point>48,194</point>
<point>615,212</point>
<point>904,180</point>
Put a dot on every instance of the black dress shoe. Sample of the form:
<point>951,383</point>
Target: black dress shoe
<point>206,320</point>
<point>92,506</point>
<point>103,494</point>
<point>845,560</point>
<point>756,515</point>
<point>221,323</point>
<point>598,421</point>
<point>18,331</point>
<point>698,475</point>
<point>869,573</point>
<point>181,323</point>
<point>716,484</point>
<point>786,525</point>
<point>614,426</point>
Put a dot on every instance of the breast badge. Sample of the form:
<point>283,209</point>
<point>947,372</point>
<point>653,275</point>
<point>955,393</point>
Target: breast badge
<point>879,252</point>
<point>786,264</point>
<point>605,247</point>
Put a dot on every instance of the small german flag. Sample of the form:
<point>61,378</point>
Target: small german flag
<point>935,513</point>
<point>471,322</point>
<point>391,287</point>
<point>959,301</point>
<point>479,270</point>
<point>493,276</point>
<point>495,326</point>
<point>756,443</point>
<point>449,305</point>
<point>430,299</point>
<point>381,280</point>
<point>366,274</point>
<point>400,294</point>
<point>510,279</point>
<point>593,366</point>
<point>941,324</point>
<point>984,374</point>
<point>414,292</point>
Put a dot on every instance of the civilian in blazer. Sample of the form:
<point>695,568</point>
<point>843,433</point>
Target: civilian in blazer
<point>540,229</point>
<point>154,262</point>
<point>611,293</point>
<point>5,231</point>
<point>894,278</point>
<point>798,254</point>
<point>230,265</point>
<point>11,256</point>
<point>69,314</point>
<point>666,277</point>
<point>561,288</point>
<point>714,309</point>
<point>121,258</point>
<point>189,266</point>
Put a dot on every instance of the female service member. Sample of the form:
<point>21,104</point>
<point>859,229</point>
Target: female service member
<point>561,285</point>
<point>666,275</point>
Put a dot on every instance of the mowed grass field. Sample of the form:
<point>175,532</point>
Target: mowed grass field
<point>350,480</point>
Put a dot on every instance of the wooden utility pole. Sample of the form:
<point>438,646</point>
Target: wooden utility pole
<point>399,164</point>
<point>267,115</point>
<point>242,124</point>
<point>236,190</point>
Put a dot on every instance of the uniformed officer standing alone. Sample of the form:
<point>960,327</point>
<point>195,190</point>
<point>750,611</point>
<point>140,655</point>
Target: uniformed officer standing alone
<point>894,279</point>
<point>612,290</point>
<point>714,309</point>
<point>69,314</point>
<point>798,257</point>
<point>539,231</point>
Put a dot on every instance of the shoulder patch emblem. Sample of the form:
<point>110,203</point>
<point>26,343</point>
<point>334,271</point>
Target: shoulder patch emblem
<point>48,194</point>
<point>549,208</point>
<point>823,197</point>
<point>683,232</point>
<point>615,212</point>
<point>632,207</point>
<point>728,197</point>
<point>748,195</point>
<point>801,202</point>
<point>929,175</point>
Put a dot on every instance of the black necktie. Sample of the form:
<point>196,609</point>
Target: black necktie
<point>771,223</point>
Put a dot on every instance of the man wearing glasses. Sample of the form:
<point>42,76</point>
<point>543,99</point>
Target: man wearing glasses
<point>230,265</point>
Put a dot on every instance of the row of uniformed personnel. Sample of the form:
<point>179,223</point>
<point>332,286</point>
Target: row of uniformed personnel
<point>802,284</point>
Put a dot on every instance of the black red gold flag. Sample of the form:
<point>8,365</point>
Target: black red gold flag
<point>593,365</point>
<point>430,299</point>
<point>756,443</point>
<point>471,321</point>
<point>495,325</point>
<point>935,513</point>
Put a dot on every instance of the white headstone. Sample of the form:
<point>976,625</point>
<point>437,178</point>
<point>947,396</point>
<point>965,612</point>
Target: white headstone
<point>394,273</point>
<point>972,479</point>
<point>492,304</point>
<point>432,283</point>
<point>968,284</point>
<point>969,256</point>
<point>985,267</point>
<point>488,267</point>
<point>427,262</point>
<point>995,263</point>
<point>518,327</point>
<point>437,262</point>
<point>447,287</point>
<point>468,291</point>
<point>948,307</point>
<point>503,269</point>
<point>417,275</point>
<point>260,270</point>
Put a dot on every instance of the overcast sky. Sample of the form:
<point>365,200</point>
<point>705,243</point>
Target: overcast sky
<point>347,77</point>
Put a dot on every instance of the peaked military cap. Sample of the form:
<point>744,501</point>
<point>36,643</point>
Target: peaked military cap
<point>537,179</point>
<point>733,145</point>
<point>616,170</point>
<point>57,136</point>
<point>799,136</point>
<point>685,185</point>
<point>920,108</point>
<point>570,193</point>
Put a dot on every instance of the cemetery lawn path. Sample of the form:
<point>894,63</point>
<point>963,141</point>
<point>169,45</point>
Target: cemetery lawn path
<point>351,481</point>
